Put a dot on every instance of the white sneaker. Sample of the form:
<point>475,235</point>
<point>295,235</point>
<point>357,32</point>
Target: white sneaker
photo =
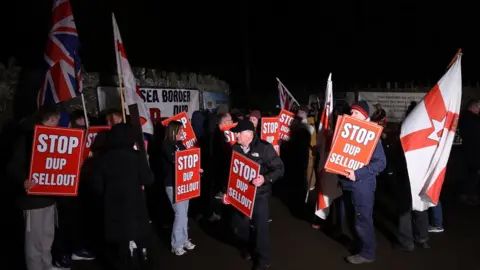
<point>178,251</point>
<point>435,229</point>
<point>189,245</point>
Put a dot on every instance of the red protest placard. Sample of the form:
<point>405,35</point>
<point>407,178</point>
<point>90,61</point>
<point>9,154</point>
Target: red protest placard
<point>187,174</point>
<point>90,139</point>
<point>189,138</point>
<point>269,131</point>
<point>337,127</point>
<point>229,136</point>
<point>335,133</point>
<point>285,122</point>
<point>56,160</point>
<point>353,146</point>
<point>240,191</point>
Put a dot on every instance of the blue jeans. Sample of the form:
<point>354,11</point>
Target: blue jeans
<point>436,215</point>
<point>180,223</point>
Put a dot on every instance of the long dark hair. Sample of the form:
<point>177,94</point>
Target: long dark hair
<point>172,130</point>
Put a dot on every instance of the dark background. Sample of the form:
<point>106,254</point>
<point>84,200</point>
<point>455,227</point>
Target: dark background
<point>299,41</point>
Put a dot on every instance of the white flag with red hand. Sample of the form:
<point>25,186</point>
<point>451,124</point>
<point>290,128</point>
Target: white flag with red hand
<point>130,87</point>
<point>427,135</point>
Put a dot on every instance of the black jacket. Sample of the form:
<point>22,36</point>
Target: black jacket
<point>271,165</point>
<point>118,177</point>
<point>18,169</point>
<point>469,129</point>
<point>220,161</point>
<point>168,161</point>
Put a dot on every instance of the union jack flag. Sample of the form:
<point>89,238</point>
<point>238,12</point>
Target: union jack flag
<point>63,79</point>
<point>287,101</point>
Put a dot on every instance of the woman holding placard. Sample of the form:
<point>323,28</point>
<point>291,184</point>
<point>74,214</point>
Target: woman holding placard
<point>173,143</point>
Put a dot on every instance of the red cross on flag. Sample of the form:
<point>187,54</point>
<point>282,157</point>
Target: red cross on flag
<point>427,135</point>
<point>130,86</point>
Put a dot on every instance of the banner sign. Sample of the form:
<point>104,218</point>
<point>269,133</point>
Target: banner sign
<point>395,104</point>
<point>187,174</point>
<point>189,138</point>
<point>56,160</point>
<point>230,137</point>
<point>285,121</point>
<point>211,100</point>
<point>90,139</point>
<point>240,191</point>
<point>161,102</point>
<point>269,131</point>
<point>353,145</point>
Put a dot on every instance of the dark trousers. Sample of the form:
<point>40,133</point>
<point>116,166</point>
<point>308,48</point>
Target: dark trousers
<point>358,205</point>
<point>68,237</point>
<point>119,257</point>
<point>412,228</point>
<point>258,240</point>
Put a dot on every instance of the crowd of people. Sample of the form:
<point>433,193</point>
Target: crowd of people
<point>120,188</point>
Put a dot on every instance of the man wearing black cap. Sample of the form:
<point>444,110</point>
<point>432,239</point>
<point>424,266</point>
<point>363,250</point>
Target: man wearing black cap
<point>359,195</point>
<point>271,169</point>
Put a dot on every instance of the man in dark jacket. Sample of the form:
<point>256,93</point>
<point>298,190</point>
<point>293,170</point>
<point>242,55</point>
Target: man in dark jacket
<point>359,195</point>
<point>469,128</point>
<point>118,176</point>
<point>271,169</point>
<point>39,211</point>
<point>70,243</point>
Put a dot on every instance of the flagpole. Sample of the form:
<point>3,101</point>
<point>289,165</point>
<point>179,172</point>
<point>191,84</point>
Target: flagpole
<point>119,71</point>
<point>454,58</point>
<point>290,94</point>
<point>85,114</point>
<point>85,110</point>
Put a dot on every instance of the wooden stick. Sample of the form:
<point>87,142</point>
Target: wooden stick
<point>122,97</point>
<point>455,58</point>
<point>120,73</point>
<point>85,114</point>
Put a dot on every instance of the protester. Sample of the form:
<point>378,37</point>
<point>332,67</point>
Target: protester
<point>69,243</point>
<point>299,150</point>
<point>118,177</point>
<point>113,116</point>
<point>198,122</point>
<point>220,164</point>
<point>379,116</point>
<point>359,195</point>
<point>173,143</point>
<point>271,169</point>
<point>255,117</point>
<point>38,211</point>
<point>412,224</point>
<point>469,127</point>
<point>77,119</point>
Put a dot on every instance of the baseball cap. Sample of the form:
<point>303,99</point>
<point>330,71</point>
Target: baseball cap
<point>242,126</point>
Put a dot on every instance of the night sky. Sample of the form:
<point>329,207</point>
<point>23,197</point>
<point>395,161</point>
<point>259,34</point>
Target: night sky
<point>298,41</point>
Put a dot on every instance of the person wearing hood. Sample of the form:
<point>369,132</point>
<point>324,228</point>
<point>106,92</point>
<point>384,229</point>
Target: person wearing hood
<point>118,177</point>
<point>359,195</point>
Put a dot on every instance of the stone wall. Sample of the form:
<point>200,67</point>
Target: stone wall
<point>9,83</point>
